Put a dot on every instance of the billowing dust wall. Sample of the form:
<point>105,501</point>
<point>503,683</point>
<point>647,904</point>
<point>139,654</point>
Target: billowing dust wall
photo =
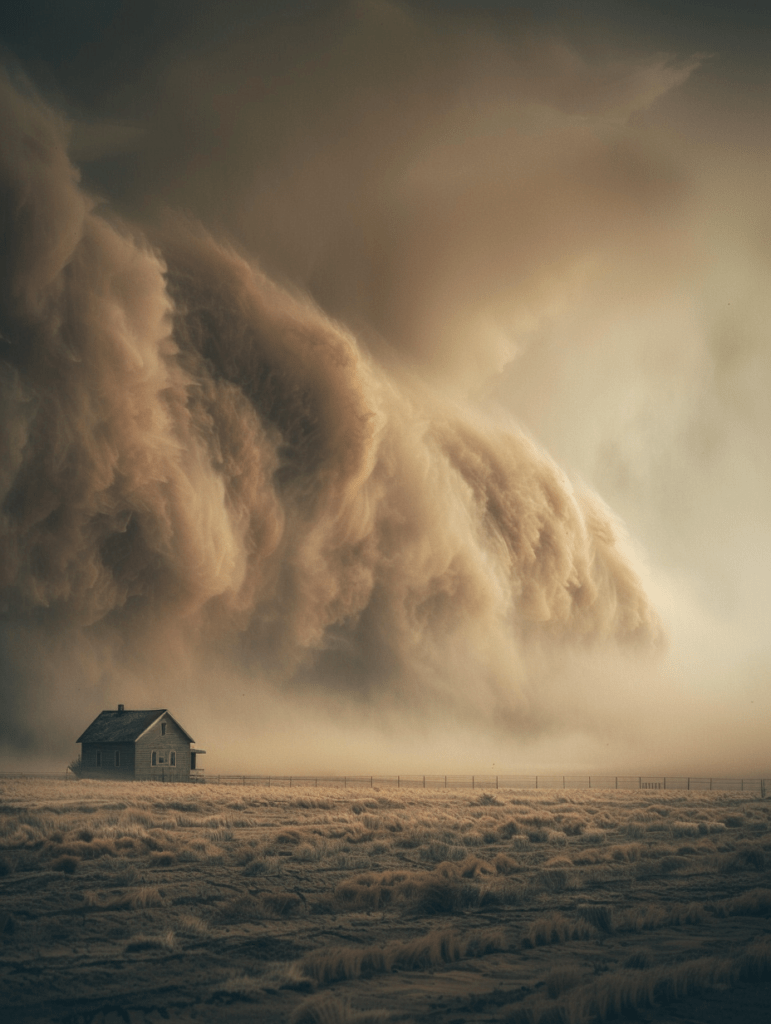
<point>193,456</point>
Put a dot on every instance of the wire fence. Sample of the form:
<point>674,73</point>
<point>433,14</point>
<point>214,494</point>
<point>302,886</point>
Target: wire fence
<point>490,782</point>
<point>37,775</point>
<point>761,786</point>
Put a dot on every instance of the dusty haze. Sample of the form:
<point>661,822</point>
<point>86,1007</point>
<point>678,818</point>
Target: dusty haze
<point>330,341</point>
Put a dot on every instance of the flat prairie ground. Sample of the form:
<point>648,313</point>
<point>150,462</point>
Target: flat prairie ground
<point>148,902</point>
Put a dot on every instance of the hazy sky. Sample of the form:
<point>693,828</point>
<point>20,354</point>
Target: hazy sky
<point>384,385</point>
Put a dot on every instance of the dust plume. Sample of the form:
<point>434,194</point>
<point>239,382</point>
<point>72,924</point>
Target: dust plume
<point>272,372</point>
<point>193,450</point>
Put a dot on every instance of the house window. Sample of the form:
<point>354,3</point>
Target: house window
<point>154,759</point>
<point>173,759</point>
<point>163,728</point>
<point>117,759</point>
<point>99,759</point>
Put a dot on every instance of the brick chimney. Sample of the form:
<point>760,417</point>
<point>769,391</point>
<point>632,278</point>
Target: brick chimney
<point>120,709</point>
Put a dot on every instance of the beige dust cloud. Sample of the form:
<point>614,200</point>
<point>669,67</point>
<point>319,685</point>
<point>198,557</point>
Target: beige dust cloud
<point>273,418</point>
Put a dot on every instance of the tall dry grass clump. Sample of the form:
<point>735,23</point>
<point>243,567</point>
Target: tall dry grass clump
<point>134,899</point>
<point>437,947</point>
<point>755,903</point>
<point>164,941</point>
<point>625,992</point>
<point>562,979</point>
<point>326,1008</point>
<point>659,915</point>
<point>555,928</point>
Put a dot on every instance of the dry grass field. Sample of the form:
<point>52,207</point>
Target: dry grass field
<point>144,902</point>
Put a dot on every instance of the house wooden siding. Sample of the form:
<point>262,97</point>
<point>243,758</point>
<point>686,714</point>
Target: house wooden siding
<point>153,740</point>
<point>108,769</point>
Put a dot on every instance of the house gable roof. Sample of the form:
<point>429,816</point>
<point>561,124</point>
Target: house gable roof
<point>124,726</point>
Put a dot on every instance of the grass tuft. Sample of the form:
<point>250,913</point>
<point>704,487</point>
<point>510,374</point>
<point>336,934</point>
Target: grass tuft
<point>555,928</point>
<point>600,915</point>
<point>326,1008</point>
<point>166,940</point>
<point>192,927</point>
<point>562,979</point>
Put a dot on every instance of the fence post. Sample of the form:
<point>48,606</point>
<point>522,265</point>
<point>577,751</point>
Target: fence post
<point>345,782</point>
<point>590,782</point>
<point>445,782</point>
<point>617,782</point>
<point>639,783</point>
<point>290,781</point>
<point>496,781</point>
<point>689,782</point>
<point>536,782</point>
<point>472,781</point>
<point>424,782</point>
<point>398,781</point>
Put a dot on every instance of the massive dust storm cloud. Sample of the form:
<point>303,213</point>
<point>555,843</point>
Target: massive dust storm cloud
<point>275,307</point>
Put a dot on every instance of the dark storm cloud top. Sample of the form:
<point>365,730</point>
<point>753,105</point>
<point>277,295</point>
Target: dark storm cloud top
<point>418,175</point>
